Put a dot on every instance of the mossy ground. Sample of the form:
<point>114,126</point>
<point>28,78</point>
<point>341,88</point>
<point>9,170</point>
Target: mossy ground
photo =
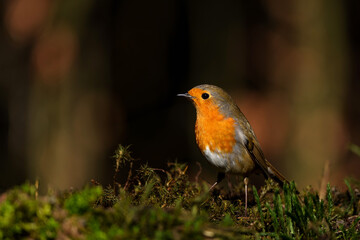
<point>164,204</point>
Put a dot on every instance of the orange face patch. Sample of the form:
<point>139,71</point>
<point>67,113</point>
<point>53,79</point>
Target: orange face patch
<point>196,94</point>
<point>212,129</point>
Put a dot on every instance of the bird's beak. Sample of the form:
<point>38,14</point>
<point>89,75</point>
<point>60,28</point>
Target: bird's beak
<point>185,95</point>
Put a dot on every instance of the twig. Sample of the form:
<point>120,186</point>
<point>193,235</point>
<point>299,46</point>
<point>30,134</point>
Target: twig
<point>198,173</point>
<point>129,176</point>
<point>159,169</point>
<point>324,180</point>
<point>94,182</point>
<point>37,189</point>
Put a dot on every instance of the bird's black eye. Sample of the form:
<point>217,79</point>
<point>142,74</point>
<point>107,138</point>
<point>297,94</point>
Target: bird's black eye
<point>205,96</point>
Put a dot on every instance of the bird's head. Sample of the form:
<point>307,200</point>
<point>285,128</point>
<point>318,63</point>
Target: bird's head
<point>209,97</point>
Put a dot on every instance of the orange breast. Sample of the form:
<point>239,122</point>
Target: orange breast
<point>214,130</point>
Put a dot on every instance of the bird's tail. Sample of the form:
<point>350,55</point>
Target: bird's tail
<point>258,157</point>
<point>275,174</point>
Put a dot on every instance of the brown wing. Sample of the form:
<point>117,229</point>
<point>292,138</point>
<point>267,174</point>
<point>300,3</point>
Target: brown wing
<point>258,157</point>
<point>248,139</point>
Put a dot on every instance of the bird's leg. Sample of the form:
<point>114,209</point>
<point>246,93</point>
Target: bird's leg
<point>220,177</point>
<point>230,184</point>
<point>246,182</point>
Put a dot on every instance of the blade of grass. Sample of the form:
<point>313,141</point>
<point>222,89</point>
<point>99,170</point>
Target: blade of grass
<point>257,199</point>
<point>355,149</point>
<point>275,222</point>
<point>279,210</point>
<point>288,207</point>
<point>352,198</point>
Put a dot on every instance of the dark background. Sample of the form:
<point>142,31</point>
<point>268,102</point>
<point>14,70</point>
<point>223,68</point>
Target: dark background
<point>77,78</point>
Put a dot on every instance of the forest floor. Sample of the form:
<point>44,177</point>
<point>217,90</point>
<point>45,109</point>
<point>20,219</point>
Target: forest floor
<point>164,204</point>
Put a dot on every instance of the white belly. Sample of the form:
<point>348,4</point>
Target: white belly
<point>216,158</point>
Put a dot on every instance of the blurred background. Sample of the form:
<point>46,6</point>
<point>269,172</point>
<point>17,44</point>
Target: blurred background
<point>77,78</point>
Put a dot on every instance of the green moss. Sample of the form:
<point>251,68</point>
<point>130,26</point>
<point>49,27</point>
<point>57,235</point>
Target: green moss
<point>21,214</point>
<point>164,204</point>
<point>83,201</point>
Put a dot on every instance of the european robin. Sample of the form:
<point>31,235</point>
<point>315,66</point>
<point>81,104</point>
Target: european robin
<point>225,136</point>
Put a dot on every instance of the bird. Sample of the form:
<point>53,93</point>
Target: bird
<point>226,138</point>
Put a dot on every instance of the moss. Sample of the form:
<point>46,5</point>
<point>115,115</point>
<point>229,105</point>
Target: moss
<point>164,204</point>
<point>22,215</point>
<point>82,201</point>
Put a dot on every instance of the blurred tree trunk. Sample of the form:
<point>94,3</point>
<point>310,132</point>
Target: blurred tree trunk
<point>317,90</point>
<point>69,107</point>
